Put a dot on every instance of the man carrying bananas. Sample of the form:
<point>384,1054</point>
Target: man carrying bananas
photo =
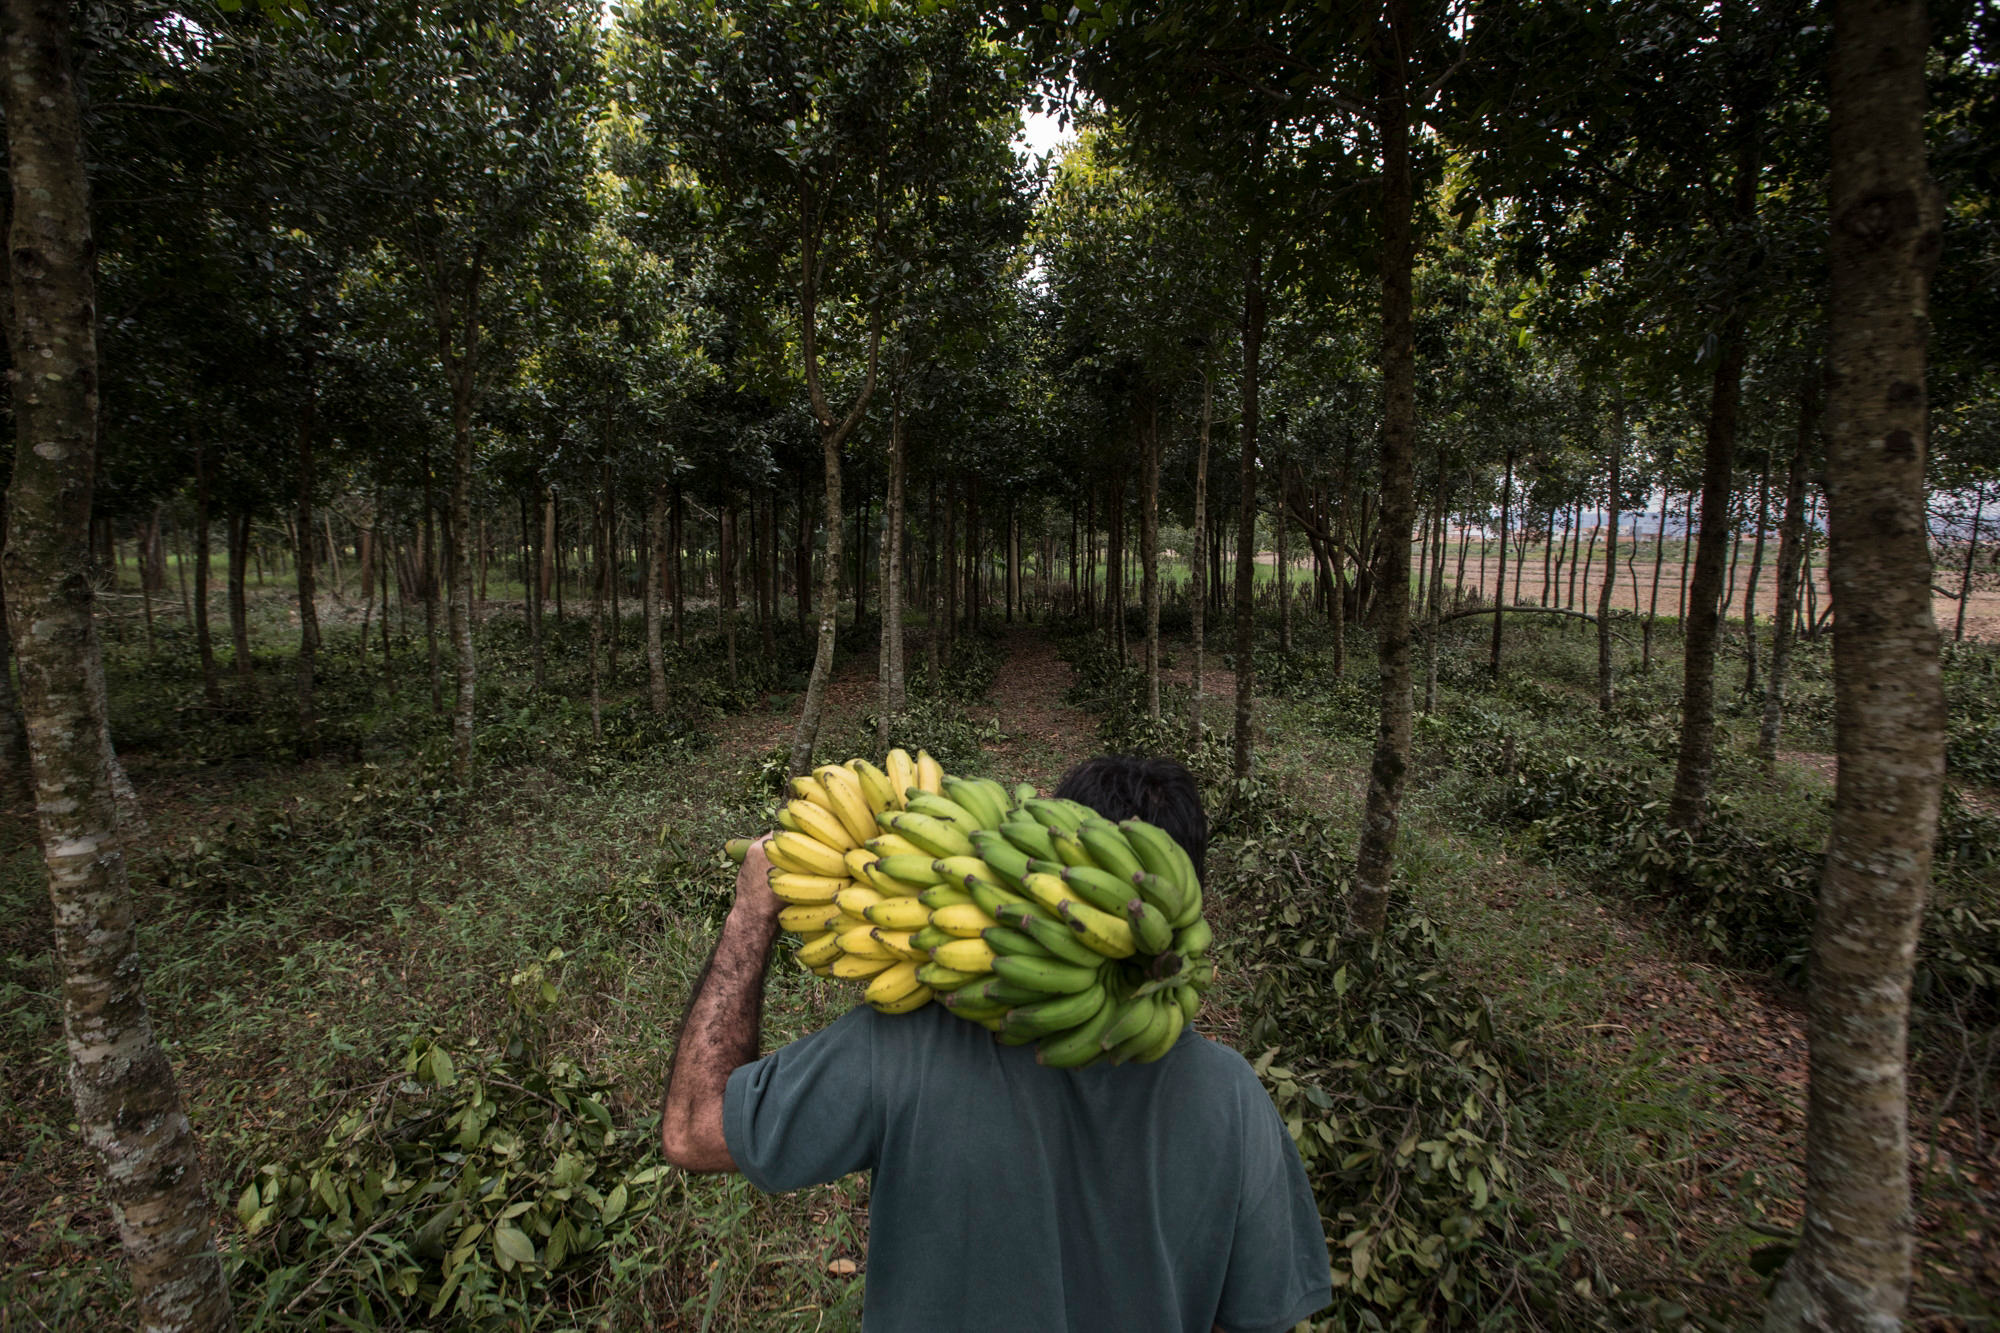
<point>1009,1196</point>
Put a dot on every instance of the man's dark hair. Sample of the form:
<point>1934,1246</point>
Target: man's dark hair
<point>1158,791</point>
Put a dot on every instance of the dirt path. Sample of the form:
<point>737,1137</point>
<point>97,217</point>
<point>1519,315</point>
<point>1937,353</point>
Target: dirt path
<point>755,730</point>
<point>1043,736</point>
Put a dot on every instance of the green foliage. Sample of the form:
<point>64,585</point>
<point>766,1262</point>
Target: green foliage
<point>480,1188</point>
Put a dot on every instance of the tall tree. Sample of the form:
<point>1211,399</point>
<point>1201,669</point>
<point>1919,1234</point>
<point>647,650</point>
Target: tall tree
<point>127,1103</point>
<point>1851,1269</point>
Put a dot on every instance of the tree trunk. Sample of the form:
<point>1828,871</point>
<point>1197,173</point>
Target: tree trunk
<point>1653,603</point>
<point>1791,547</point>
<point>1852,1267</point>
<point>1971,551</point>
<point>889,668</point>
<point>1604,678</point>
<point>1149,550</point>
<point>1281,538</point>
<point>656,656</point>
<point>464,379</point>
<point>1246,511</point>
<point>239,600</point>
<point>1750,587</point>
<point>127,1104</point>
<point>302,545</point>
<point>600,578</point>
<point>1704,616</point>
<point>211,677</point>
<point>429,586</point>
<point>1500,587</point>
<point>1198,566</point>
<point>1375,859</point>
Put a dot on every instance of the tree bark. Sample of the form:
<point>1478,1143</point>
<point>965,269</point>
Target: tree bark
<point>656,656</point>
<point>889,667</point>
<point>1246,511</point>
<point>1198,567</point>
<point>1971,551</point>
<point>1375,859</point>
<point>1852,1267</point>
<point>211,679</point>
<point>464,368</point>
<point>1704,615</point>
<point>302,544</point>
<point>1604,676</point>
<point>429,584</point>
<point>239,600</point>
<point>1500,587</point>
<point>1149,550</point>
<point>1791,549</point>
<point>1750,587</point>
<point>127,1104</point>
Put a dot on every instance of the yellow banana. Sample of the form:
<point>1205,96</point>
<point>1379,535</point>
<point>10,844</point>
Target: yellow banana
<point>1104,933</point>
<point>889,886</point>
<point>892,984</point>
<point>848,801</point>
<point>818,951</point>
<point>898,943</point>
<point>856,899</point>
<point>899,914</point>
<point>805,856</point>
<point>807,890</point>
<point>874,786</point>
<point>930,773</point>
<point>821,825</point>
<point>807,788</point>
<point>902,773</point>
<point>808,918</point>
<point>964,920</point>
<point>895,844</point>
<point>964,955</point>
<point>861,943</point>
<point>848,967</point>
<point>858,862</point>
<point>915,1000</point>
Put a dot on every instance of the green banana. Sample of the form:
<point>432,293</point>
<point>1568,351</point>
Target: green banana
<point>1030,838</point>
<point>963,1003</point>
<point>1106,934</point>
<point>1077,810</point>
<point>911,869</point>
<point>1172,1019</point>
<point>1148,1036</point>
<point>990,896</point>
<point>939,977</point>
<point>1054,936</point>
<point>1024,791</point>
<point>945,810</point>
<point>929,937</point>
<point>1133,1016</point>
<point>1007,862</point>
<point>1045,974</point>
<point>1040,1019</point>
<point>1154,934</point>
<point>943,895</point>
<point>1162,893</point>
<point>994,990</point>
<point>933,835</point>
<point>1190,999</point>
<point>976,801</point>
<point>1079,1046</point>
<point>1108,848</point>
<point>1194,938</point>
<point>954,869</point>
<point>1161,855</point>
<point>1008,940</point>
<point>1100,888</point>
<point>1052,816</point>
<point>1191,911</point>
<point>1070,850</point>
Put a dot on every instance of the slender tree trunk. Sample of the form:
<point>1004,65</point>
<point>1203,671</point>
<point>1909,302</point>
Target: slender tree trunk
<point>1750,588</point>
<point>536,534</point>
<point>1198,567</point>
<point>1852,1267</point>
<point>1704,617</point>
<point>1604,677</point>
<point>656,656</point>
<point>1281,539</point>
<point>889,670</point>
<point>1246,514</point>
<point>17,778</point>
<point>600,579</point>
<point>430,591</point>
<point>1375,859</point>
<point>388,664</point>
<point>308,601</point>
<point>768,575</point>
<point>1440,547</point>
<point>127,1104</point>
<point>677,541</point>
<point>1500,587</point>
<point>612,563</point>
<point>1971,550</point>
<point>239,601</point>
<point>1791,547</point>
<point>211,677</point>
<point>1149,551</point>
<point>1653,604</point>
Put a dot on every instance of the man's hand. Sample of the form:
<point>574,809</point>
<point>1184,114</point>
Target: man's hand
<point>719,1032</point>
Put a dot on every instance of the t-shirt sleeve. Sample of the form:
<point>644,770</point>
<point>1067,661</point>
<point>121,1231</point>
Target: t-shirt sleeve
<point>806,1114</point>
<point>1278,1268</point>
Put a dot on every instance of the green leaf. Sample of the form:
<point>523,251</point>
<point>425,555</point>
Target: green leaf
<point>513,1244</point>
<point>614,1204</point>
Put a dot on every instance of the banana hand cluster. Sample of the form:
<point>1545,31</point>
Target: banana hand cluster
<point>1032,917</point>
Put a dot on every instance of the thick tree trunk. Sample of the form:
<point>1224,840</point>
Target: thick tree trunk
<point>1852,1267</point>
<point>656,655</point>
<point>1245,610</point>
<point>1375,859</point>
<point>1791,549</point>
<point>17,779</point>
<point>1198,566</point>
<point>1604,676</point>
<point>1704,616</point>
<point>1500,587</point>
<point>127,1104</point>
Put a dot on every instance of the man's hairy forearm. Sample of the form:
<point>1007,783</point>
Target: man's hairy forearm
<point>718,1036</point>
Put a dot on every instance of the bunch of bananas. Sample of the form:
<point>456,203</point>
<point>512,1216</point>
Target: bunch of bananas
<point>1032,917</point>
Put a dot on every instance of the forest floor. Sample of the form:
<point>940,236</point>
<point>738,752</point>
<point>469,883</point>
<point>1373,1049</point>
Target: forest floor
<point>1664,1092</point>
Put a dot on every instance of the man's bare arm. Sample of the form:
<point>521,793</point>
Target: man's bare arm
<point>720,1030</point>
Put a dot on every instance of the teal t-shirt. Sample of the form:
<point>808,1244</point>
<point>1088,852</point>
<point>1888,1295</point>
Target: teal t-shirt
<point>1010,1198</point>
